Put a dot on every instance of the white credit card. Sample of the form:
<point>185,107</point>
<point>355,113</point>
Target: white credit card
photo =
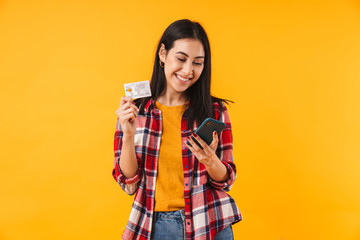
<point>137,89</point>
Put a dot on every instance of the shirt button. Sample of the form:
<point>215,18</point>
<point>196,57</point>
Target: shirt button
<point>186,166</point>
<point>187,203</point>
<point>186,184</point>
<point>188,223</point>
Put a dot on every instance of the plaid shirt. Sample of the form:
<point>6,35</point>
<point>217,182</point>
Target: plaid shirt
<point>208,208</point>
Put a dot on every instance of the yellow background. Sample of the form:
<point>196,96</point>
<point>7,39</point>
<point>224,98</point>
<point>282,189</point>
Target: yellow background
<point>292,68</point>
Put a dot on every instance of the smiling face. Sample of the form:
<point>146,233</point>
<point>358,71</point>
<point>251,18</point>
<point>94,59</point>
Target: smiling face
<point>183,64</point>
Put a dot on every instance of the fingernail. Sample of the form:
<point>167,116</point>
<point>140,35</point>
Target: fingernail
<point>195,135</point>
<point>215,133</point>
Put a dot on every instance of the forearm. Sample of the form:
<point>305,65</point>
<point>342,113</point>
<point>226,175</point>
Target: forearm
<point>128,161</point>
<point>217,170</point>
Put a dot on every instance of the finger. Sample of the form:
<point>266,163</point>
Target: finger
<point>117,112</point>
<point>193,143</point>
<point>198,151</point>
<point>215,141</point>
<point>135,107</point>
<point>187,142</point>
<point>131,104</point>
<point>123,110</point>
<point>203,144</point>
<point>127,105</point>
<point>128,117</point>
<point>125,100</point>
<point>129,111</point>
<point>192,149</point>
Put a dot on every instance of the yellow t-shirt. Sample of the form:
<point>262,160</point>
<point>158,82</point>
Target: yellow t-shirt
<point>169,191</point>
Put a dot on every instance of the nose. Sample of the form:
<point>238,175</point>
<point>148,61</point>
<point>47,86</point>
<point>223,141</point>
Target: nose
<point>187,68</point>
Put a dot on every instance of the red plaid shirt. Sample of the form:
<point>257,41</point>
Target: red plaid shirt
<point>208,208</point>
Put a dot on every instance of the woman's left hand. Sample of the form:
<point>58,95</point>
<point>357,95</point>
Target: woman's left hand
<point>207,155</point>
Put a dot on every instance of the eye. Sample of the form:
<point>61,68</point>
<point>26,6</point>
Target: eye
<point>198,63</point>
<point>181,59</point>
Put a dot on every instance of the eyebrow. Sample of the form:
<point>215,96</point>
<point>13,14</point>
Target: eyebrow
<point>188,55</point>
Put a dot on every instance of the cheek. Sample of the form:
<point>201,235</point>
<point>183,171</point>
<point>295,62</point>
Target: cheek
<point>172,67</point>
<point>199,71</point>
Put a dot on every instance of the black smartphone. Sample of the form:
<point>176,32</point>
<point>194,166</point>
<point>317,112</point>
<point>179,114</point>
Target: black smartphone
<point>206,129</point>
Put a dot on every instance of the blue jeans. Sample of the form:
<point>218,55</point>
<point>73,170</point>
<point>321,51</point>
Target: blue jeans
<point>170,225</point>
<point>225,234</point>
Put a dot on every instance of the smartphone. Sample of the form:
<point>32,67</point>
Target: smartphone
<point>206,129</point>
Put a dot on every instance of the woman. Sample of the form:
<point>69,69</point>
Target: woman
<point>180,188</point>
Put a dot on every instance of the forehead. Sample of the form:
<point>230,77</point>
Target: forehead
<point>192,47</point>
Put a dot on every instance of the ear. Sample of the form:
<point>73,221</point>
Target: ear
<point>162,52</point>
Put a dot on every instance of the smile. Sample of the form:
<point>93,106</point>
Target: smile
<point>183,79</point>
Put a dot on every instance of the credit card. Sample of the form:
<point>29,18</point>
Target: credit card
<point>137,89</point>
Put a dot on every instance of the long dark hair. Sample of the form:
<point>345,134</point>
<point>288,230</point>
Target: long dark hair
<point>200,99</point>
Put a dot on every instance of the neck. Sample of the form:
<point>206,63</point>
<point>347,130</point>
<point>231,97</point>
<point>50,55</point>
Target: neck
<point>172,99</point>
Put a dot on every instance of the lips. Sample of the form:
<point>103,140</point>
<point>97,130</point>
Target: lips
<point>182,78</point>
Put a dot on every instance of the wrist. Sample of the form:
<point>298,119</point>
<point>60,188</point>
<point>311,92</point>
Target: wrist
<point>213,163</point>
<point>217,170</point>
<point>128,138</point>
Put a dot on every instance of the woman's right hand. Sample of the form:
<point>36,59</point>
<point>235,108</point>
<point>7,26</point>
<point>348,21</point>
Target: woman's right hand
<point>127,113</point>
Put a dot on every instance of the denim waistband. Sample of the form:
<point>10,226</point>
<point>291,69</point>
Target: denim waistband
<point>180,214</point>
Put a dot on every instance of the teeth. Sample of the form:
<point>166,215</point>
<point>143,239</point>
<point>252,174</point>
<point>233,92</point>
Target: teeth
<point>182,79</point>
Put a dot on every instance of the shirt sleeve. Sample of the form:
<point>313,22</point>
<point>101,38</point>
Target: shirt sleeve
<point>225,152</point>
<point>129,185</point>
